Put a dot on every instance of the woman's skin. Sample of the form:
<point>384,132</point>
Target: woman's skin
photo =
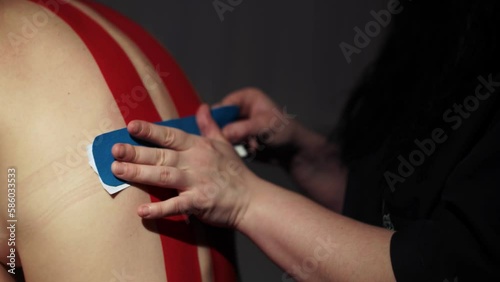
<point>309,241</point>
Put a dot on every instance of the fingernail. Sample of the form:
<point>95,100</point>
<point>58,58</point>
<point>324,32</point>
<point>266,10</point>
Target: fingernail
<point>144,211</point>
<point>118,168</point>
<point>134,128</point>
<point>121,151</point>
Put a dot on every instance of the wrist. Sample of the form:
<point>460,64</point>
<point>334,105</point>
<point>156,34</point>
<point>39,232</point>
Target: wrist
<point>303,139</point>
<point>247,184</point>
<point>257,191</point>
<point>299,140</point>
<point>307,145</point>
<point>319,158</point>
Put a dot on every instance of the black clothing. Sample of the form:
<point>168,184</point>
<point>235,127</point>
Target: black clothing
<point>442,198</point>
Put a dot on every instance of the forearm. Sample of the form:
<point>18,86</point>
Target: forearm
<point>317,168</point>
<point>312,243</point>
<point>303,138</point>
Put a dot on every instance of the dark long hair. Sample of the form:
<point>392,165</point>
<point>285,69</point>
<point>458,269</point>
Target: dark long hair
<point>432,58</point>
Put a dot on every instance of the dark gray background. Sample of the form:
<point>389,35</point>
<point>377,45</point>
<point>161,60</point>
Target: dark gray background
<point>288,48</point>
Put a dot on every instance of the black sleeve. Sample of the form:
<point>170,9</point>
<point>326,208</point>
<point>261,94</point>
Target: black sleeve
<point>461,239</point>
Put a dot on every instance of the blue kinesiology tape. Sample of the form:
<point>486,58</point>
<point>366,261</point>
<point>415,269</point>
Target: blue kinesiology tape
<point>101,147</point>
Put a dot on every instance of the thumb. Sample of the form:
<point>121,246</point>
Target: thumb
<point>173,206</point>
<point>239,130</point>
<point>244,129</point>
<point>208,126</point>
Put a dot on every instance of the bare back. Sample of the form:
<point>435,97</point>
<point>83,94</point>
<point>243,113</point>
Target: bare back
<point>54,102</point>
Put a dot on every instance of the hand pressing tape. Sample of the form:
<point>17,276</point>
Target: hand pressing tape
<point>100,157</point>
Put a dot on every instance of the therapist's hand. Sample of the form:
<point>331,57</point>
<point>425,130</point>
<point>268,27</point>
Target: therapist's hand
<point>212,181</point>
<point>272,134</point>
<point>262,120</point>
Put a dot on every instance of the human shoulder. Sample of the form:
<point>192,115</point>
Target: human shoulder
<point>50,87</point>
<point>33,40</point>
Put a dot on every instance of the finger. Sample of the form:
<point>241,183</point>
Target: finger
<point>160,176</point>
<point>233,98</point>
<point>145,155</point>
<point>243,98</point>
<point>216,105</point>
<point>243,129</point>
<point>173,206</point>
<point>208,126</point>
<point>163,136</point>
